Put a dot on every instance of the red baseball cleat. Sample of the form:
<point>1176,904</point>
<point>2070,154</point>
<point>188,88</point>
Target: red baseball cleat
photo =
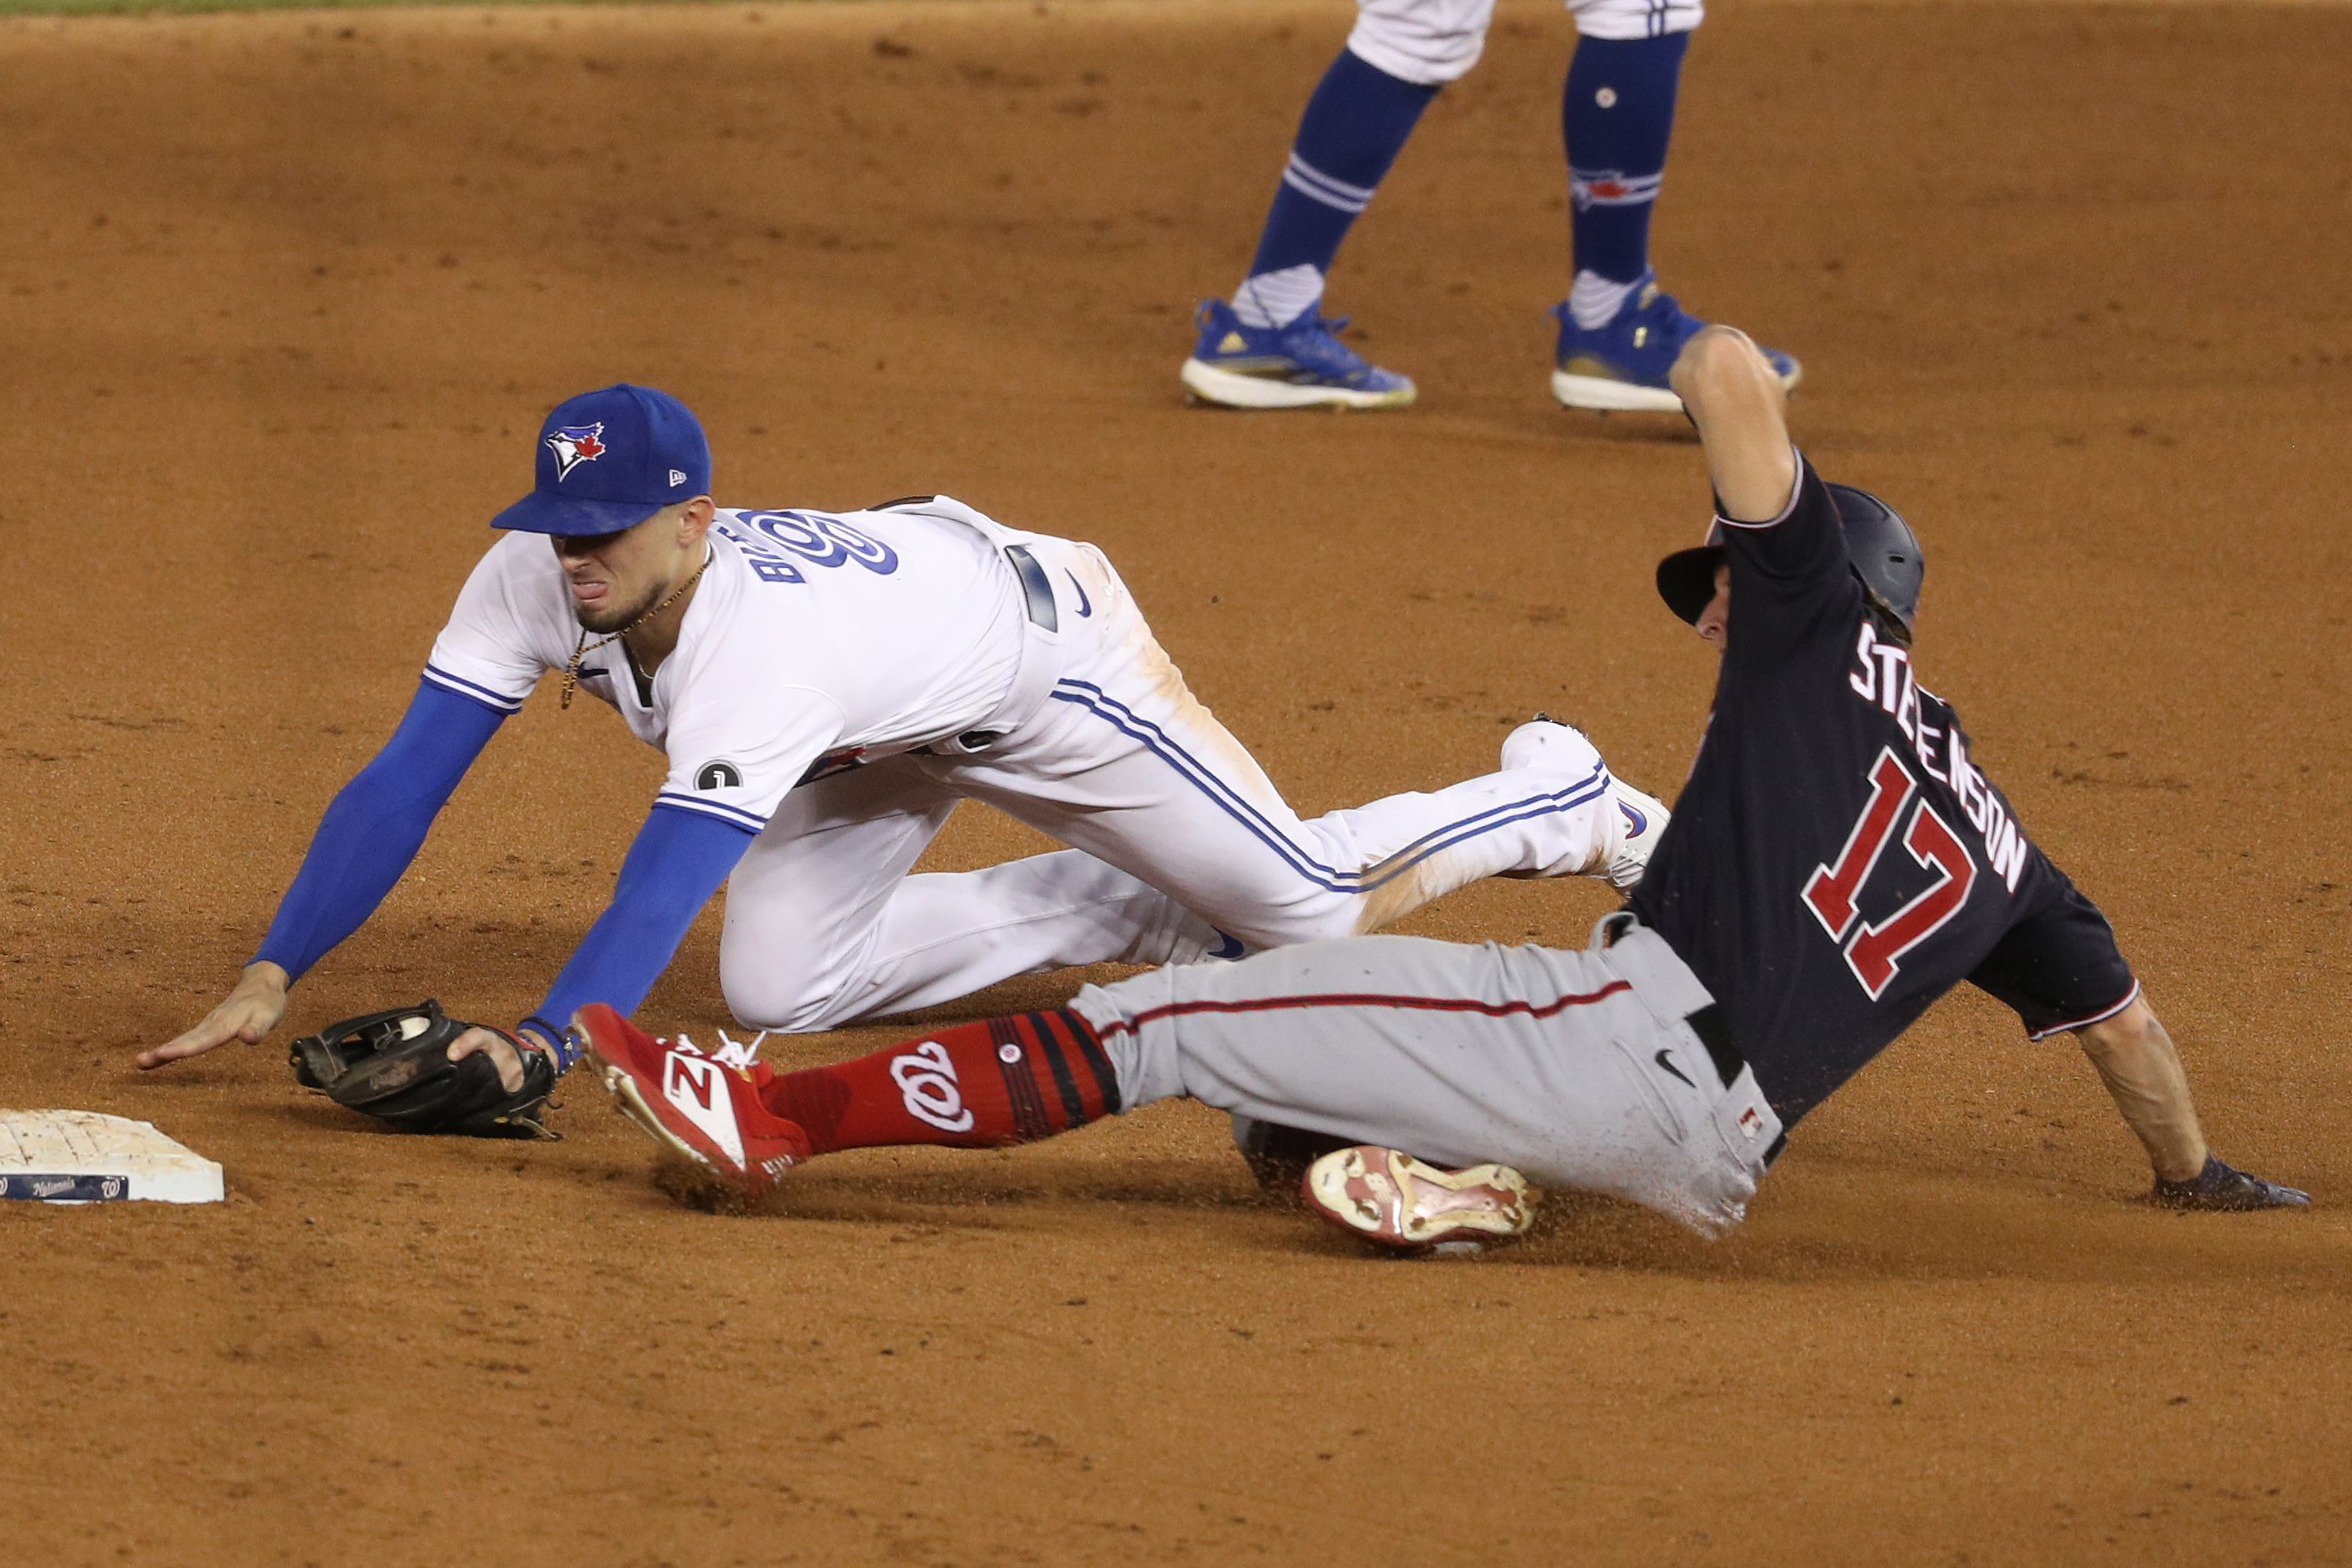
<point>1395,1201</point>
<point>696,1106</point>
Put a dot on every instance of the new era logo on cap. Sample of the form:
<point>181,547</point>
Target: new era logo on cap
<point>609,459</point>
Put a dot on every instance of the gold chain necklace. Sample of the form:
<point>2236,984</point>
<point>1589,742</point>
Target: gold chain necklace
<point>572,671</point>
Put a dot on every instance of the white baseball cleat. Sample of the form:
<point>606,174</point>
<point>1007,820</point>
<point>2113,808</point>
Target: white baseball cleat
<point>1645,819</point>
<point>1543,742</point>
<point>1394,1201</point>
<point>1630,833</point>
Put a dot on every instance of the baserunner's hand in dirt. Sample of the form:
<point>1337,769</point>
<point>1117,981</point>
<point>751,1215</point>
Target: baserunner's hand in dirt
<point>251,1011</point>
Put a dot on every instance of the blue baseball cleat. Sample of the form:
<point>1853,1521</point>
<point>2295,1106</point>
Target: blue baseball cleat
<point>1623,365</point>
<point>1302,365</point>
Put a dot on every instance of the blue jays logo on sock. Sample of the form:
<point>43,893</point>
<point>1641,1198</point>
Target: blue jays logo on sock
<point>574,445</point>
<point>1611,188</point>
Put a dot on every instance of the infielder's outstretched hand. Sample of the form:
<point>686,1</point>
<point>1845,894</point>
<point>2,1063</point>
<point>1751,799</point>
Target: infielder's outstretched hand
<point>251,1011</point>
<point>504,1053</point>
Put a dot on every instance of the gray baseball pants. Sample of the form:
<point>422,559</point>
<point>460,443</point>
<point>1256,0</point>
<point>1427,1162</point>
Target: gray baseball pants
<point>1576,1067</point>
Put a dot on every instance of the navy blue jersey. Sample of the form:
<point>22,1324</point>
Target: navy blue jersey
<point>1837,861</point>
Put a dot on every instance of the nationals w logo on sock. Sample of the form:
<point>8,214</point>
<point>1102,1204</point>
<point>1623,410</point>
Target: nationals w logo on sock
<point>926,1078</point>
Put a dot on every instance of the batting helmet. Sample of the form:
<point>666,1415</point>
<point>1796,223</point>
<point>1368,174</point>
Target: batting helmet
<point>1885,552</point>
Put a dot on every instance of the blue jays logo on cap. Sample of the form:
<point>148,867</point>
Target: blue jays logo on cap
<point>574,445</point>
<point>609,459</point>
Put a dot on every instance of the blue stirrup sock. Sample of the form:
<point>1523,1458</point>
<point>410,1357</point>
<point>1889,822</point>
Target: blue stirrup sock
<point>1616,115</point>
<point>1355,124</point>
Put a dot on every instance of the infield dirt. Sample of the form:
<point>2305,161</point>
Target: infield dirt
<point>283,300</point>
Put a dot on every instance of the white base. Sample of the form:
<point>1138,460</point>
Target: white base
<point>82,1156</point>
<point>1210,384</point>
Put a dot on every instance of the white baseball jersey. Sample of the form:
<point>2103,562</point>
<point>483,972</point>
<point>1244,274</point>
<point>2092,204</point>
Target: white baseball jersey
<point>818,641</point>
<point>814,641</point>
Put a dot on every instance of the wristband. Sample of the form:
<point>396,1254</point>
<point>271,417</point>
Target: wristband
<point>566,1048</point>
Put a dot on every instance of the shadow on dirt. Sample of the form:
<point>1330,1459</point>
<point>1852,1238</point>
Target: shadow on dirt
<point>1975,1232</point>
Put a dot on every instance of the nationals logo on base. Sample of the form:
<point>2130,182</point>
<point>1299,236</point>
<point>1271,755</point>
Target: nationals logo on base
<point>574,445</point>
<point>926,1079</point>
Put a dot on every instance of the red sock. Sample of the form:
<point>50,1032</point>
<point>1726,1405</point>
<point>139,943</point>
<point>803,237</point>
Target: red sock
<point>1002,1080</point>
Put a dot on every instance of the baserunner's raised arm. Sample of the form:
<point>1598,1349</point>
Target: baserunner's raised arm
<point>1742,414</point>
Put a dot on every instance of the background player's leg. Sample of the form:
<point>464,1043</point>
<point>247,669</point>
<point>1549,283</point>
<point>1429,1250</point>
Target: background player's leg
<point>1617,114</point>
<point>1355,125</point>
<point>823,923</point>
<point>1619,334</point>
<point>1271,347</point>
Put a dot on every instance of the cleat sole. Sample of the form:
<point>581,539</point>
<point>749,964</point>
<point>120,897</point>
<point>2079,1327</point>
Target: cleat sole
<point>1607,395</point>
<point>1403,1205</point>
<point>1207,384</point>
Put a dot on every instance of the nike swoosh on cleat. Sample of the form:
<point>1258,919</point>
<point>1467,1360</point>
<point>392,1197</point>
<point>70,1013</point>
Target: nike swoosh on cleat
<point>1636,822</point>
<point>1231,947</point>
<point>1085,605</point>
<point>1665,1060</point>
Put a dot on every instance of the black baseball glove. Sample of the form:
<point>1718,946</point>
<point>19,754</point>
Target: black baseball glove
<point>2225,1187</point>
<point>395,1065</point>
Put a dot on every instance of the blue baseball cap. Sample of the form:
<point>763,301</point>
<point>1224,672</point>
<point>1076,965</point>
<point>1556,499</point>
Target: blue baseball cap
<point>611,459</point>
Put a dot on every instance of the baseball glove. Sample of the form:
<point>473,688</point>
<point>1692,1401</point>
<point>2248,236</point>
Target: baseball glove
<point>395,1065</point>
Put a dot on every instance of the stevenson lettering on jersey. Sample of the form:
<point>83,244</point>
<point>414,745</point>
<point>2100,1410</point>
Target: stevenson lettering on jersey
<point>1882,674</point>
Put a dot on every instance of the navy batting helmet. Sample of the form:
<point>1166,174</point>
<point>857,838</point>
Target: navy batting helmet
<point>1884,552</point>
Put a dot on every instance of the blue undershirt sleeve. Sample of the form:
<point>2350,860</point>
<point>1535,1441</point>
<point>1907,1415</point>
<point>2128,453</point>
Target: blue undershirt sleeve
<point>376,825</point>
<point>679,859</point>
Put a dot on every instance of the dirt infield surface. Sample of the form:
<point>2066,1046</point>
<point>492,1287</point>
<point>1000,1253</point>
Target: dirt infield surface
<point>283,299</point>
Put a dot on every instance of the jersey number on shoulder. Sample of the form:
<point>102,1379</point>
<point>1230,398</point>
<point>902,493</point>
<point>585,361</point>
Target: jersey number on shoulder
<point>1873,949</point>
<point>811,537</point>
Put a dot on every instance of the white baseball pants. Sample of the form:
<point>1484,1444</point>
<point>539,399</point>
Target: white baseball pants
<point>1576,1067</point>
<point>1175,830</point>
<point>1433,42</point>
